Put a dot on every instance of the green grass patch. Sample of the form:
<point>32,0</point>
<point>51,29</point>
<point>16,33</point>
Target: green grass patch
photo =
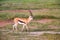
<point>49,26</point>
<point>27,36</point>
<point>45,16</point>
<point>39,14</point>
<point>52,36</point>
<point>28,4</point>
<point>36,26</point>
<point>6,15</point>
<point>10,15</point>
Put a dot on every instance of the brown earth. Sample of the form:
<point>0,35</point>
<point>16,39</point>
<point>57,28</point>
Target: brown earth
<point>31,34</point>
<point>3,23</point>
<point>6,22</point>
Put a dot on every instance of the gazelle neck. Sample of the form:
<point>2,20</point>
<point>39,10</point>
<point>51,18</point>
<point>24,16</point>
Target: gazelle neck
<point>30,18</point>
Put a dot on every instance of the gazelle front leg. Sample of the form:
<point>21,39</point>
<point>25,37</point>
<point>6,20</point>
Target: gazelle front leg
<point>27,28</point>
<point>23,27</point>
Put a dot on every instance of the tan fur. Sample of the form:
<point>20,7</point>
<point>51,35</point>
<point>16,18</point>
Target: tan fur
<point>26,20</point>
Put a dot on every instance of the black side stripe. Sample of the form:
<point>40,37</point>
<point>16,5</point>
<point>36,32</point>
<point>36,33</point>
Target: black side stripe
<point>21,21</point>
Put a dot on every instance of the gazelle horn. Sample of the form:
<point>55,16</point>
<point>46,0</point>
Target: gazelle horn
<point>31,13</point>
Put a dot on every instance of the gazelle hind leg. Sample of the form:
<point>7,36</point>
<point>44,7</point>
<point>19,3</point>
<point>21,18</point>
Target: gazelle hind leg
<point>15,26</point>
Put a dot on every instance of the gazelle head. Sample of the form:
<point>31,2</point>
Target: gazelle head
<point>31,15</point>
<point>30,18</point>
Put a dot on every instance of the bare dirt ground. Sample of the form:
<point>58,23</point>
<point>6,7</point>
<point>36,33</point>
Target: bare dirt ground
<point>4,23</point>
<point>43,21</point>
<point>31,34</point>
<point>41,10</point>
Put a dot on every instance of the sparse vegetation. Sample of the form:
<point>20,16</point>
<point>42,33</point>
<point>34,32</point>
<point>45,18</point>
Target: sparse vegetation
<point>41,9</point>
<point>28,4</point>
<point>38,14</point>
<point>26,36</point>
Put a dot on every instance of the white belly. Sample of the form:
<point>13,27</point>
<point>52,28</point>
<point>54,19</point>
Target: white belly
<point>21,23</point>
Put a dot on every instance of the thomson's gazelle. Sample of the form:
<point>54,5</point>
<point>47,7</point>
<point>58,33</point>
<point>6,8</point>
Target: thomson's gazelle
<point>23,21</point>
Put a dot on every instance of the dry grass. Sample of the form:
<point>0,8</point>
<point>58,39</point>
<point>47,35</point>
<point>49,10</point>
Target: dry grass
<point>36,25</point>
<point>6,35</point>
